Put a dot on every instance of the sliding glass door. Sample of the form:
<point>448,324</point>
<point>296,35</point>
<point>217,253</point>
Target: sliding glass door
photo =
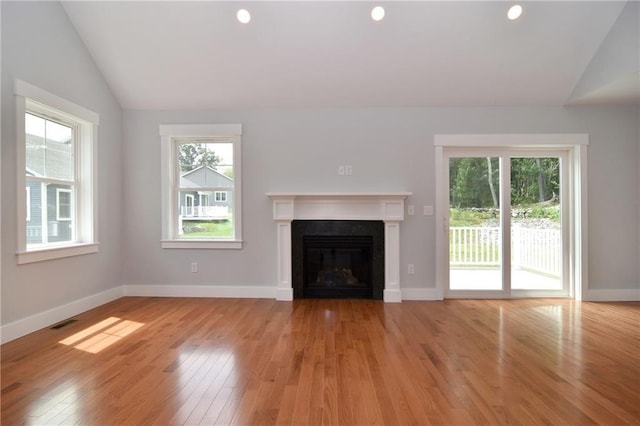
<point>507,223</point>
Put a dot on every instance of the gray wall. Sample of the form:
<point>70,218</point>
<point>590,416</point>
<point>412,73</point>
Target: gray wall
<point>41,47</point>
<point>390,150</point>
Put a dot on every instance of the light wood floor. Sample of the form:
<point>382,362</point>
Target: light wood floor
<point>140,361</point>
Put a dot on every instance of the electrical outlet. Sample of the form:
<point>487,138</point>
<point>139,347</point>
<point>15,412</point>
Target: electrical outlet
<point>411,210</point>
<point>411,269</point>
<point>341,170</point>
<point>348,170</point>
<point>194,267</point>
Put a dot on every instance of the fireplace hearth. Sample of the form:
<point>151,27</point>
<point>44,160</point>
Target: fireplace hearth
<point>337,259</point>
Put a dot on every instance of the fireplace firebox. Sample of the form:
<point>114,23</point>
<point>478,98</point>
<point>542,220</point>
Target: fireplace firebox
<point>337,259</point>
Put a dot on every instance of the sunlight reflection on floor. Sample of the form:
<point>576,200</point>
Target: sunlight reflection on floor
<point>97,337</point>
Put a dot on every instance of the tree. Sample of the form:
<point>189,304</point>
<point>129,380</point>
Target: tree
<point>542,187</point>
<point>494,196</point>
<point>194,155</point>
<point>472,182</point>
<point>534,180</point>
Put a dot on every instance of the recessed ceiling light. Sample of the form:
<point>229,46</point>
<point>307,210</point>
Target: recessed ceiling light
<point>514,12</point>
<point>377,13</point>
<point>244,16</point>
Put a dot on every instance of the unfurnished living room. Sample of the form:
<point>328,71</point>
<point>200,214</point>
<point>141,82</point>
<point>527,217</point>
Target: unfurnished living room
<point>320,212</point>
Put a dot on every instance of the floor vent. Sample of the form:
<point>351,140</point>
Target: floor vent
<point>63,324</point>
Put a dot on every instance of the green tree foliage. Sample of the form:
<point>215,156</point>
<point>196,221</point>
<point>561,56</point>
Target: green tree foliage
<point>194,155</point>
<point>469,182</point>
<point>533,180</point>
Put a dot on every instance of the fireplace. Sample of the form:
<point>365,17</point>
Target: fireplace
<point>385,208</point>
<point>337,259</point>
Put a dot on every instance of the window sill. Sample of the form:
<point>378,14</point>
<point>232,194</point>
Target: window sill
<point>202,244</point>
<point>50,253</point>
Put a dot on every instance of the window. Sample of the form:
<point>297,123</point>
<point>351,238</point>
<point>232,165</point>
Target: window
<point>56,166</point>
<point>197,161</point>
<point>221,196</point>
<point>63,203</point>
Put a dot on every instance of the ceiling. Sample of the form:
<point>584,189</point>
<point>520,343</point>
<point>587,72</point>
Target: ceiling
<point>196,55</point>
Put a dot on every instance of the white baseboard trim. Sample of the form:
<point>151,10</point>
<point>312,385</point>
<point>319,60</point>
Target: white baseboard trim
<point>284,294</point>
<point>391,296</point>
<point>630,295</point>
<point>47,318</point>
<point>421,294</point>
<point>241,292</point>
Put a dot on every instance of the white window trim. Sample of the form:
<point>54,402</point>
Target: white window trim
<point>576,146</point>
<point>168,135</point>
<point>29,97</point>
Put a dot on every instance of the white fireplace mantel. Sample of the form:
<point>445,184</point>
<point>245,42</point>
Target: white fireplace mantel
<point>387,207</point>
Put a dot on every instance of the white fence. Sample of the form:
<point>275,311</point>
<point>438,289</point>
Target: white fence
<point>204,212</point>
<point>538,250</point>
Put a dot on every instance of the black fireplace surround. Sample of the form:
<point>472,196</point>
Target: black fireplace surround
<point>337,259</point>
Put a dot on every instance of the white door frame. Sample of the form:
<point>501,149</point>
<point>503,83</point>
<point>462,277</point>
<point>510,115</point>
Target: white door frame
<point>575,147</point>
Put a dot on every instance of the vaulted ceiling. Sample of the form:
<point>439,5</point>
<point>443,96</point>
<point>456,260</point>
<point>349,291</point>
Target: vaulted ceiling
<point>196,55</point>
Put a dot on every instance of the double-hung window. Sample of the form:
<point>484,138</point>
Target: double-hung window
<point>56,166</point>
<point>221,196</point>
<point>201,191</point>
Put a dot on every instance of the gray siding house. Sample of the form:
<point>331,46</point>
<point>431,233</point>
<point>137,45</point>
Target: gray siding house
<point>51,159</point>
<point>205,194</point>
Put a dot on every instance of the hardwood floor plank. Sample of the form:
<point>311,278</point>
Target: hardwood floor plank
<point>165,361</point>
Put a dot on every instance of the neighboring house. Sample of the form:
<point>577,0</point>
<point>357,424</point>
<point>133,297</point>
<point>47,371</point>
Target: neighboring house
<point>48,159</point>
<point>205,194</point>
<point>34,211</point>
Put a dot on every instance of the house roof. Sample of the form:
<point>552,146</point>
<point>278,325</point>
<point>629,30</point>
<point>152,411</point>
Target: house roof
<point>196,55</point>
<point>189,179</point>
<point>49,158</point>
<point>197,169</point>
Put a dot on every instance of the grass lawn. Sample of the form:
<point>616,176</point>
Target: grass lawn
<point>463,217</point>
<point>206,229</point>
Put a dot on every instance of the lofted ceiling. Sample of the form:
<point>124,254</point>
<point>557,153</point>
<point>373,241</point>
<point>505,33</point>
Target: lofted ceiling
<point>196,55</point>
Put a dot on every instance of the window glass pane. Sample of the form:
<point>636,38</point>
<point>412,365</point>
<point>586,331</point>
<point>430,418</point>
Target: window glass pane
<point>34,213</point>
<point>205,190</point>
<point>203,217</point>
<point>536,228</point>
<point>205,165</point>
<point>52,224</point>
<point>59,151</point>
<point>49,148</point>
<point>475,236</point>
<point>64,204</point>
<point>35,145</point>
<point>59,213</point>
